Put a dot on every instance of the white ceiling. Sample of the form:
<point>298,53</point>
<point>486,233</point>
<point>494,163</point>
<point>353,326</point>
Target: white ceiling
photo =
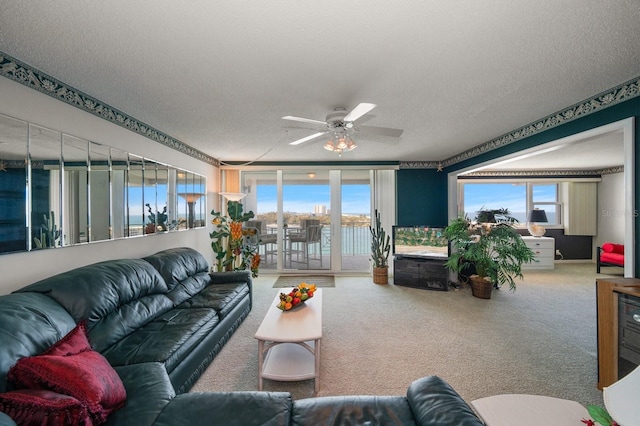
<point>219,76</point>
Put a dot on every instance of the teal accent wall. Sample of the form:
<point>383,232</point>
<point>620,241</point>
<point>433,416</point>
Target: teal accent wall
<point>421,196</point>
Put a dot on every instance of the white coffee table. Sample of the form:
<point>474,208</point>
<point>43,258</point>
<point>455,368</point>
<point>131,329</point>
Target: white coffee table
<point>289,342</point>
<point>529,410</point>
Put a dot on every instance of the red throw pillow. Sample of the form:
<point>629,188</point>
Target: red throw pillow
<point>73,343</point>
<point>607,247</point>
<point>43,408</point>
<point>72,368</point>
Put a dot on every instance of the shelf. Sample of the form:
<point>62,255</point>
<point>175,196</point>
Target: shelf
<point>289,362</point>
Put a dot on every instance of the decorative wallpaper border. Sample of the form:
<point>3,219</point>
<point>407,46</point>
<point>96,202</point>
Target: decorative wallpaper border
<point>618,94</point>
<point>16,70</point>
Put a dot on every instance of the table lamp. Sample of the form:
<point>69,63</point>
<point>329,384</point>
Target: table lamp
<point>536,216</point>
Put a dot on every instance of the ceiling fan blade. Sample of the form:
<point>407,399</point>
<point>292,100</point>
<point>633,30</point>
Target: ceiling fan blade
<point>359,111</point>
<point>308,138</point>
<point>303,120</point>
<point>383,131</point>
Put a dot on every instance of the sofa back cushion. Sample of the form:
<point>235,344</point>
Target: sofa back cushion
<point>31,323</point>
<point>115,297</point>
<point>184,269</point>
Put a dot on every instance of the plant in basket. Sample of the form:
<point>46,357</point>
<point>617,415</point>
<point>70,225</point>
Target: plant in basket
<point>296,297</point>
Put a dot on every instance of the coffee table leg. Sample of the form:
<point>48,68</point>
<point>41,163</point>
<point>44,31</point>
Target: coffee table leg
<point>316,356</point>
<point>260,361</point>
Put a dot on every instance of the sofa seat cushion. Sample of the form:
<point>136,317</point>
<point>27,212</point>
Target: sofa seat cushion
<point>166,339</point>
<point>43,407</point>
<point>148,389</point>
<point>352,410</point>
<point>71,367</point>
<point>228,409</point>
<point>615,258</point>
<point>221,297</point>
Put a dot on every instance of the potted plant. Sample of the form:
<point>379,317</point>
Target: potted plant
<point>235,248</point>
<point>380,249</point>
<point>495,250</point>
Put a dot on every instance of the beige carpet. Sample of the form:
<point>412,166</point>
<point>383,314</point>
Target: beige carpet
<point>285,281</point>
<point>379,338</point>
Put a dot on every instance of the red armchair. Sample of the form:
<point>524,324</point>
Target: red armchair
<point>610,254</point>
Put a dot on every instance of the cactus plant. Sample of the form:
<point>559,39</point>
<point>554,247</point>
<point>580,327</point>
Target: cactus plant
<point>49,232</point>
<point>380,243</point>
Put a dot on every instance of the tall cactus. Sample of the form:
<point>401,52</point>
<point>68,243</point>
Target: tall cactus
<point>49,232</point>
<point>380,243</point>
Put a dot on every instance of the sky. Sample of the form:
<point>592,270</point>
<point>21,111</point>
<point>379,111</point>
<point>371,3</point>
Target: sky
<point>356,199</point>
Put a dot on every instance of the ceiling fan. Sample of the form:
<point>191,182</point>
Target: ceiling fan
<point>341,124</point>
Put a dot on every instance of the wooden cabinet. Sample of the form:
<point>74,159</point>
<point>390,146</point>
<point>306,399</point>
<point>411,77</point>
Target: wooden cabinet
<point>426,273</point>
<point>545,252</point>
<point>608,293</point>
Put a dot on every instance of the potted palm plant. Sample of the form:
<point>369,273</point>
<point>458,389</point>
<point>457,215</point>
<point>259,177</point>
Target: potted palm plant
<point>380,249</point>
<point>495,250</point>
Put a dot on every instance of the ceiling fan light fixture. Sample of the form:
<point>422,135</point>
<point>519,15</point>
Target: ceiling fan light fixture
<point>342,142</point>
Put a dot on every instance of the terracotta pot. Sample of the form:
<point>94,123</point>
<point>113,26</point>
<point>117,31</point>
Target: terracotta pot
<point>480,287</point>
<point>381,275</point>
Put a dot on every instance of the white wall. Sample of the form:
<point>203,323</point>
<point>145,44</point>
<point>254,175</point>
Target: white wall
<point>20,269</point>
<point>611,210</point>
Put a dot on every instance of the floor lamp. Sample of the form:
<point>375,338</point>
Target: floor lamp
<point>191,198</point>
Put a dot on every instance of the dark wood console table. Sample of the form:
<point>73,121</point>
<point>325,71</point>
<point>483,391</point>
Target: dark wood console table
<point>421,272</point>
<point>608,291</point>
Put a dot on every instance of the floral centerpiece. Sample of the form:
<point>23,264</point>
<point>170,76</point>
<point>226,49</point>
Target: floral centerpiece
<point>297,296</point>
<point>235,248</point>
<point>599,416</point>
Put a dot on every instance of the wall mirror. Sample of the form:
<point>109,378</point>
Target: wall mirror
<point>58,190</point>
<point>13,179</point>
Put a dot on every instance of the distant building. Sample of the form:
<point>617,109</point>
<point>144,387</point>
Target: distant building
<point>320,209</point>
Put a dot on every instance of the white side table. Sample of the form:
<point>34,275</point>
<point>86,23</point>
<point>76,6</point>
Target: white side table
<point>545,252</point>
<point>529,410</point>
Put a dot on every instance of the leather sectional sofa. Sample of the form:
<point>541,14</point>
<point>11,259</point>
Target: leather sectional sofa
<point>159,322</point>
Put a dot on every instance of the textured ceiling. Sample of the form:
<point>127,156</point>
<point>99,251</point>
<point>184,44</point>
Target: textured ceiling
<point>219,76</point>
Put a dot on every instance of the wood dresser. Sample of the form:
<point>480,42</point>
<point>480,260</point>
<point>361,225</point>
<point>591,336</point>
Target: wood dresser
<point>618,340</point>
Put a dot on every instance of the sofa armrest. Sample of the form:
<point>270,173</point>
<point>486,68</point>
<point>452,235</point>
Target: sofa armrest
<point>435,403</point>
<point>227,408</point>
<point>230,277</point>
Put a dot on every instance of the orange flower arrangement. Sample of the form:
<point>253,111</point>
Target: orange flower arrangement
<point>235,248</point>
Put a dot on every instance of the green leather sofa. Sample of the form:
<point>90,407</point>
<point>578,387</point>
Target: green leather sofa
<point>160,321</point>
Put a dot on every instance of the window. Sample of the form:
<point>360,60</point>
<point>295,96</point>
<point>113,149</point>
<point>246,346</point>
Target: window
<point>545,197</point>
<point>517,197</point>
<point>493,196</point>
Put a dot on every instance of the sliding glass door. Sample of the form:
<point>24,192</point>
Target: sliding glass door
<point>355,196</point>
<point>314,220</point>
